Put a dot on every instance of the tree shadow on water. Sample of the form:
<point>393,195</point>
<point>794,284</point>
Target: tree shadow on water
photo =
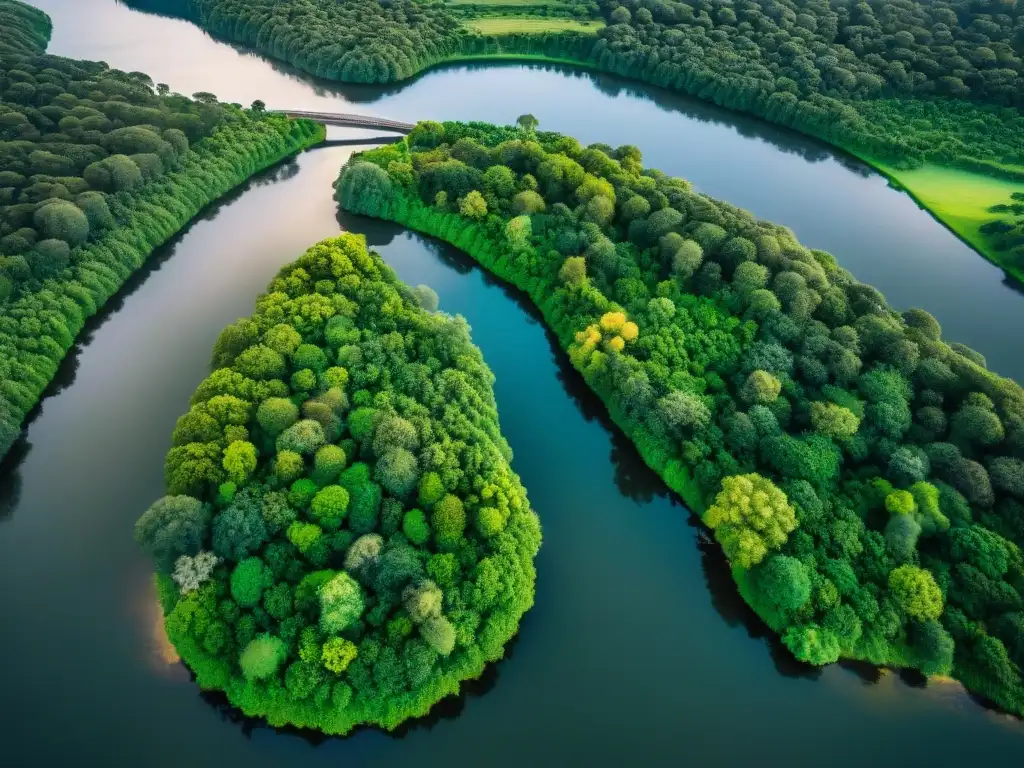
<point>727,602</point>
<point>378,234</point>
<point>10,478</point>
<point>449,708</point>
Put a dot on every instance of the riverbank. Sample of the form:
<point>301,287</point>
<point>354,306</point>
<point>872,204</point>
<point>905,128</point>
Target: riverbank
<point>674,474</point>
<point>960,200</point>
<point>827,122</point>
<point>148,217</point>
<point>680,378</point>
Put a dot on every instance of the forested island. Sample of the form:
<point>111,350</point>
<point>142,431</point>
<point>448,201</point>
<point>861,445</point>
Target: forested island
<point>864,477</point>
<point>97,168</point>
<point>927,92</point>
<point>344,541</point>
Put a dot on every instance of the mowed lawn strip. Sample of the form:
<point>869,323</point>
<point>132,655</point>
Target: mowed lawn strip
<point>511,25</point>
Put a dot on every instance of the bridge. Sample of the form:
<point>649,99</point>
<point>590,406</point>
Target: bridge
<point>349,121</point>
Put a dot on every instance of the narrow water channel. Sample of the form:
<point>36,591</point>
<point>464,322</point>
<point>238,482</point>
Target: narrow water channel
<point>637,651</point>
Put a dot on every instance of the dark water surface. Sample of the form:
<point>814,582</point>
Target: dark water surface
<point>637,652</point>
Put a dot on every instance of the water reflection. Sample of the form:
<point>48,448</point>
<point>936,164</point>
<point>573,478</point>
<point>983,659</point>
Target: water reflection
<point>783,139</point>
<point>614,86</point>
<point>360,142</point>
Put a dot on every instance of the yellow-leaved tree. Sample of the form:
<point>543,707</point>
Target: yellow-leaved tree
<point>750,517</point>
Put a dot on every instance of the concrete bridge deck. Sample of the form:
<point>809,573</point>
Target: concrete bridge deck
<point>349,120</point>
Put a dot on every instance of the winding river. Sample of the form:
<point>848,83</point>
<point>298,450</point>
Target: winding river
<point>638,650</point>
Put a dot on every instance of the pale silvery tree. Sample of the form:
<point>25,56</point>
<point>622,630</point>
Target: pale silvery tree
<point>191,572</point>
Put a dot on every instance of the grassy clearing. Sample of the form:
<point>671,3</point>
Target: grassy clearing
<point>960,200</point>
<point>504,25</point>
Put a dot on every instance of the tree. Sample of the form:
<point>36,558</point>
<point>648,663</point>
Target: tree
<point>337,654</point>
<point>329,507</point>
<point>239,530</point>
<point>1007,474</point>
<point>439,634</point>
<point>426,297</point>
<point>248,580</point>
<point>173,526</point>
<point>260,362</point>
<point>364,188</point>
<point>48,258</point>
<point>812,644</point>
<point>678,411</point>
<point>975,424</point>
<point>258,108</point>
<point>528,123</point>
<point>398,471</point>
<point>240,460</point>
<point>761,387</point>
<point>934,648</point>
<point>62,220</point>
<point>916,592</point>
<point>415,527</point>
<point>473,205</point>
<point>900,503</point>
<point>783,583</point>
<point>422,601</point>
<point>750,517</point>
<point>573,270</point>
<point>833,420</point>
<point>448,520</point>
<point>328,463</point>
<point>262,657</point>
<point>908,465</point>
<point>397,567</point>
<point>364,552</point>
<point>431,489</point>
<point>989,552</point>
<point>190,573</point>
<point>303,437</point>
<point>288,466</point>
<point>341,603</point>
<point>489,521</point>
<point>621,15</point>
<point>749,277</point>
<point>901,535</point>
<point>528,202</point>
<point>394,432</point>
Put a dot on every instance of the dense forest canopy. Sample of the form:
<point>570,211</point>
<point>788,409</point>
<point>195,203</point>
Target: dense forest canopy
<point>344,541</point>
<point>363,41</point>
<point>901,82</point>
<point>97,168</point>
<point>864,477</point>
<point>841,48</point>
<point>72,133</point>
<point>24,30</point>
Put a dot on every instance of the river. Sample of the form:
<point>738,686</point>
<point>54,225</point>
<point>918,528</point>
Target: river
<point>638,650</point>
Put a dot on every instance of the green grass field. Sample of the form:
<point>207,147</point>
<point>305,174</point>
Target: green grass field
<point>506,25</point>
<point>960,200</point>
